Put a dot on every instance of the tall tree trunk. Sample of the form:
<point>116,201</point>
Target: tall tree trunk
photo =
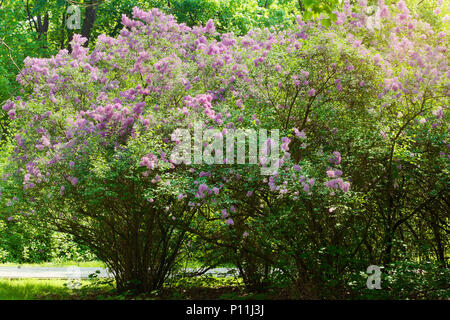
<point>63,28</point>
<point>301,6</point>
<point>69,40</point>
<point>90,15</point>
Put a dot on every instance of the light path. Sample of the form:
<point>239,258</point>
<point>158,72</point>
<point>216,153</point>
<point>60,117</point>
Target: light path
<point>76,272</point>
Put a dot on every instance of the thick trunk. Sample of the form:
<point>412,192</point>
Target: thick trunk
<point>145,255</point>
<point>43,30</point>
<point>255,275</point>
<point>89,19</point>
<point>301,6</point>
<point>63,28</point>
<point>138,279</point>
<point>69,40</point>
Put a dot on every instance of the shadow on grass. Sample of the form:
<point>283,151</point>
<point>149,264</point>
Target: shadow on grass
<point>183,288</point>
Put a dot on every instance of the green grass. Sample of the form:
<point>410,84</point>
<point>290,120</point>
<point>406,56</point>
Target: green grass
<point>55,289</point>
<point>32,289</point>
<point>92,264</point>
<point>203,287</point>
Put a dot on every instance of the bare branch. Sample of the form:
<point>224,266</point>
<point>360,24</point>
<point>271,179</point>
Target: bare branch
<point>12,60</point>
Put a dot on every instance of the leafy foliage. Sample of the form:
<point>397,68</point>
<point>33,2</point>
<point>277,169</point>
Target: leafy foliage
<point>363,173</point>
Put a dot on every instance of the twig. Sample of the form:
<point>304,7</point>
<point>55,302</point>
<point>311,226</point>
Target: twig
<point>12,60</point>
<point>30,18</point>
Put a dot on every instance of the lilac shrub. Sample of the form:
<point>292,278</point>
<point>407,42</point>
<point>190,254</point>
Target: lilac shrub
<point>91,149</point>
<point>361,107</point>
<point>96,130</point>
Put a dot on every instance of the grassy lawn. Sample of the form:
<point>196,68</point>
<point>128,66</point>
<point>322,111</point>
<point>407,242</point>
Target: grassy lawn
<point>54,289</point>
<point>32,289</point>
<point>203,287</point>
